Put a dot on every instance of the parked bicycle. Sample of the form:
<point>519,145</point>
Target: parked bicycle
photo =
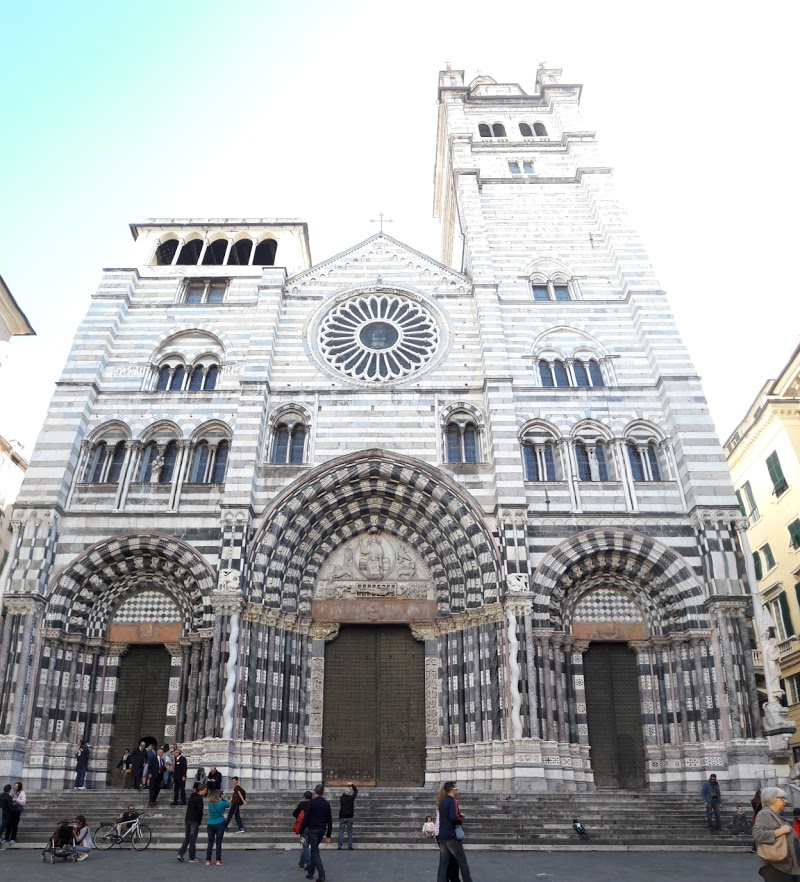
<point>134,832</point>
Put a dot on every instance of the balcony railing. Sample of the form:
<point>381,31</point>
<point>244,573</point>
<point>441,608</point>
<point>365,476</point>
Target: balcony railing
<point>786,647</point>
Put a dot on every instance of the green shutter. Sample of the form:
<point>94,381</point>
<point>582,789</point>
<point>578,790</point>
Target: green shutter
<point>794,533</point>
<point>757,564</point>
<point>768,556</point>
<point>785,614</point>
<point>776,473</point>
<point>797,594</point>
<point>741,504</point>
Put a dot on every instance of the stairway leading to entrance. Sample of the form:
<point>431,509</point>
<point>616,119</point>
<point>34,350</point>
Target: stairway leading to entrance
<point>388,818</point>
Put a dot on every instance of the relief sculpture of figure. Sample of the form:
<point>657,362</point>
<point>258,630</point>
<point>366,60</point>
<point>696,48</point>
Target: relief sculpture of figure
<point>344,569</point>
<point>406,567</point>
<point>155,469</point>
<point>371,558</point>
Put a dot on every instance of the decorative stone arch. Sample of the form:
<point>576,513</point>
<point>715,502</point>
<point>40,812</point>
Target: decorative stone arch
<point>547,268</point>
<point>374,488</point>
<point>215,427</point>
<point>586,427</point>
<point>85,593</point>
<point>658,579</point>
<point>119,429</point>
<point>287,410</point>
<point>217,333</point>
<point>592,345</point>
<point>470,410</point>
<point>161,428</point>
<point>644,427</point>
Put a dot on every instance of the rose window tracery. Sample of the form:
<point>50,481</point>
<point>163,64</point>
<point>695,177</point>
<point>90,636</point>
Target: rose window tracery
<point>378,337</point>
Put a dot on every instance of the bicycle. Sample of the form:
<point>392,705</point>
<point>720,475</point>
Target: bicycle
<point>109,835</point>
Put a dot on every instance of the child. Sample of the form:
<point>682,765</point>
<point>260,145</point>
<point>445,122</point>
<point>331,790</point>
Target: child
<point>429,828</point>
<point>63,835</point>
<point>740,823</point>
<point>579,829</point>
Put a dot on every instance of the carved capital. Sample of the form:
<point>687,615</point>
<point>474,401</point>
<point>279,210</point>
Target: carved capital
<point>579,646</point>
<point>423,630</point>
<point>326,631</point>
<point>118,649</point>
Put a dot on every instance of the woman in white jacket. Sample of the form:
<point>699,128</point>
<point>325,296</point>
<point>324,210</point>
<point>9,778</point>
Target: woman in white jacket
<point>83,838</point>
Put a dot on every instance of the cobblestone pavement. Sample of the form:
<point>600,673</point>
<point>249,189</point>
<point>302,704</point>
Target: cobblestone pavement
<point>390,866</point>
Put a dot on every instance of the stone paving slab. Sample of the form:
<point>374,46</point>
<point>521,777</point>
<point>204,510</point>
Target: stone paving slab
<point>389,866</point>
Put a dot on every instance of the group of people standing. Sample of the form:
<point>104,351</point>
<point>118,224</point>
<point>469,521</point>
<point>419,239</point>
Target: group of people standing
<point>217,823</point>
<point>12,805</point>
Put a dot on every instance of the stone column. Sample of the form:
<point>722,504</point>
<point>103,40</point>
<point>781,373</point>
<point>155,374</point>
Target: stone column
<point>433,726</point>
<point>321,633</point>
<point>642,648</point>
<point>543,640</point>
<point>189,733</point>
<point>680,682</point>
<point>515,727</point>
<point>722,618</point>
<point>577,648</point>
<point>30,610</point>
<point>662,684</point>
<point>207,635</point>
<point>53,643</point>
<point>533,680</point>
<point>750,685</point>
<point>701,689</point>
<point>558,663</point>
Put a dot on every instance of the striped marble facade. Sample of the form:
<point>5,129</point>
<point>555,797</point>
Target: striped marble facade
<point>526,570</point>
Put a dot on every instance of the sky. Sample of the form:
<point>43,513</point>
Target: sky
<point>114,112</point>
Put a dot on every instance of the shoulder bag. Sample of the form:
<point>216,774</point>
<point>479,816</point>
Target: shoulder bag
<point>777,852</point>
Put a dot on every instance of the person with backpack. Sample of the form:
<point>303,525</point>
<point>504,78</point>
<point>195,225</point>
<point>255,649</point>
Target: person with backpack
<point>298,814</point>
<point>238,799</point>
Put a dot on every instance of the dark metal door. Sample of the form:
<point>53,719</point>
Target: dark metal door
<point>613,707</point>
<point>142,692</point>
<point>373,729</point>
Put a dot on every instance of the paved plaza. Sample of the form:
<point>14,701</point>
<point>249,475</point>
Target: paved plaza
<point>393,866</point>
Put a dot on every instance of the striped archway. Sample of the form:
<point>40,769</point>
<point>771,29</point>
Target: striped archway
<point>400,495</point>
<point>649,572</point>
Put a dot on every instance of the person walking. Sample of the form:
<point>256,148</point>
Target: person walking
<point>18,803</point>
<point>712,799</point>
<point>83,838</point>
<point>179,772</point>
<point>125,765</point>
<point>138,764</point>
<point>192,821</point>
<point>81,765</point>
<point>318,821</point>
<point>450,820</point>
<point>346,811</point>
<point>769,829</point>
<point>238,799</point>
<point>216,825</point>
<point>6,803</point>
<point>298,814</point>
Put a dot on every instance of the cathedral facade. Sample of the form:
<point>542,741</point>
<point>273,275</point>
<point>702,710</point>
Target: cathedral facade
<point>387,518</point>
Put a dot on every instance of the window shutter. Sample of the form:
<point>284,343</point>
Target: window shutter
<point>757,564</point>
<point>776,473</point>
<point>768,556</point>
<point>794,533</point>
<point>741,504</point>
<point>785,614</point>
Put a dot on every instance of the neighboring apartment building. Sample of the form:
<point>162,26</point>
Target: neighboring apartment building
<point>13,321</point>
<point>13,466</point>
<point>764,458</point>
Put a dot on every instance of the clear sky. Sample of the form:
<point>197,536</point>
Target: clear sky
<point>113,112</point>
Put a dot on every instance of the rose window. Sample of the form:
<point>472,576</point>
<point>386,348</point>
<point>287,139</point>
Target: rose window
<point>378,337</point>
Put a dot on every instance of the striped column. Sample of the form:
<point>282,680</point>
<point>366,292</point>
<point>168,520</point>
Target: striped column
<point>644,658</point>
<point>577,648</point>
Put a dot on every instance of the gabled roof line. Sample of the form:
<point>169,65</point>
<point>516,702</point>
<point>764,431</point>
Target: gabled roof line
<point>316,267</point>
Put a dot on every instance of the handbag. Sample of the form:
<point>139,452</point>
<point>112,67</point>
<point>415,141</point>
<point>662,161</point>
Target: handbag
<point>777,852</point>
<point>460,834</point>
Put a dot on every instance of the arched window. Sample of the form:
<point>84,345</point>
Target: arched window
<point>165,252</point>
<point>210,382</point>
<point>560,373</point>
<point>545,373</point>
<point>215,253</point>
<point>541,292</point>
<point>265,253</point>
<point>240,253</point>
<point>525,130</point>
<point>220,463</point>
<point>484,131</point>
<point>581,377</point>
<point>96,464</point>
<point>595,374</point>
<point>461,441</point>
<point>289,443</point>
<point>513,167</point>
<point>176,383</point>
<point>164,374</point>
<point>546,289</point>
<point>591,460</point>
<point>635,460</point>
<point>170,458</point>
<point>190,253</point>
<point>527,167</point>
<point>539,456</point>
<point>539,129</point>
<point>196,379</point>
<point>199,466</point>
<point>149,455</point>
<point>644,458</point>
<point>117,461</point>
<point>498,130</point>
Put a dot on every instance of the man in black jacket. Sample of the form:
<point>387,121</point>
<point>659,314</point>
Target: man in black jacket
<point>346,810</point>
<point>155,773</point>
<point>6,804</point>
<point>305,853</point>
<point>179,772</point>
<point>193,819</point>
<point>318,822</point>
<point>138,762</point>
